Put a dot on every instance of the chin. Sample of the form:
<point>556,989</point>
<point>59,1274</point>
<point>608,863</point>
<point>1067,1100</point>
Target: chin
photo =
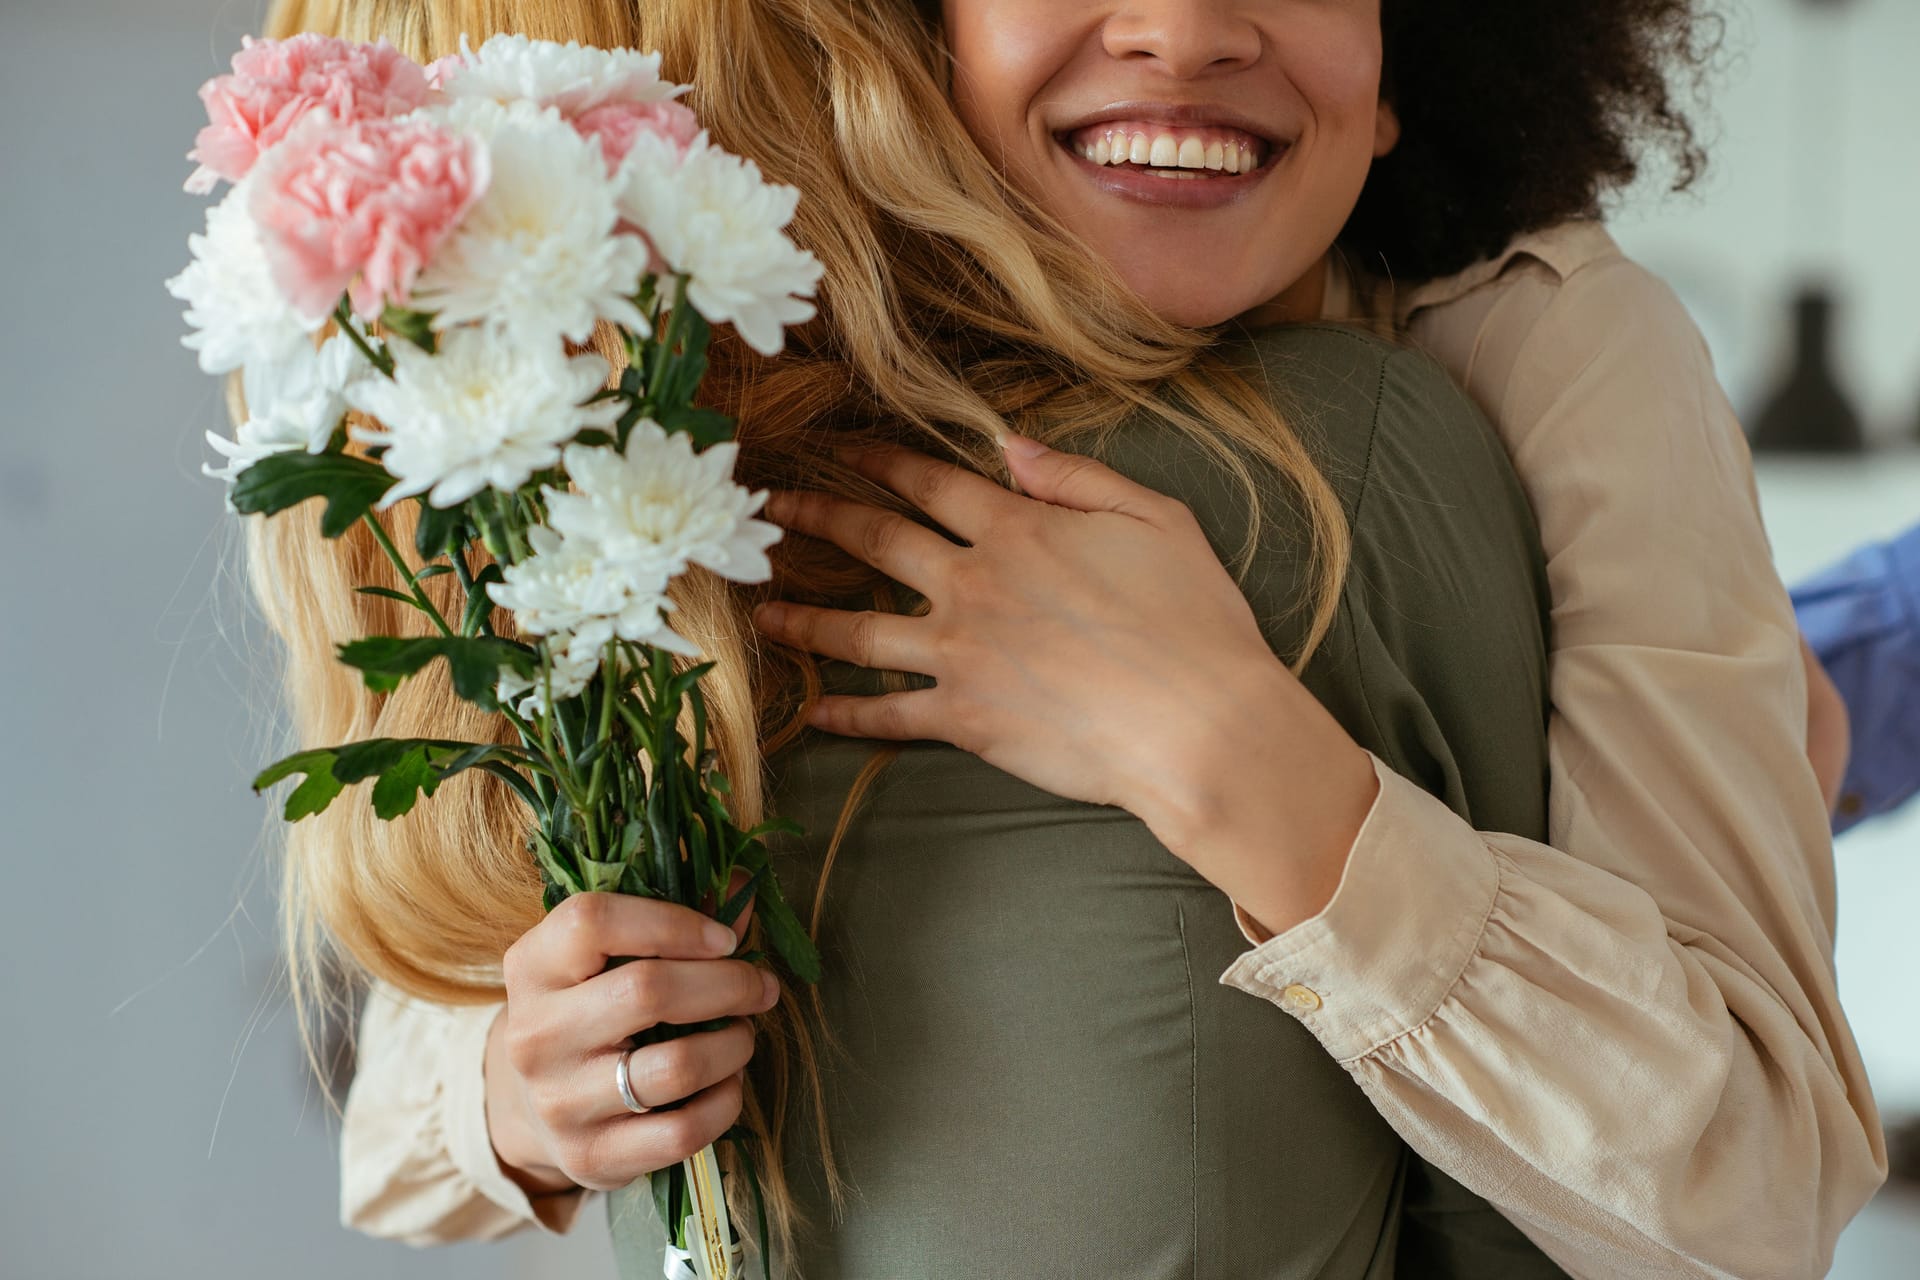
<point>1196,308</point>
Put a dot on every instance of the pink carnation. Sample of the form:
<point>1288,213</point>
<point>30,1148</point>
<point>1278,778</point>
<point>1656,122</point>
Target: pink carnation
<point>617,124</point>
<point>361,207</point>
<point>275,83</point>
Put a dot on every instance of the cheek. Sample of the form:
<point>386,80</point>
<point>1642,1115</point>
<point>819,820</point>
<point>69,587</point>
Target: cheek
<point>1003,54</point>
<point>1333,62</point>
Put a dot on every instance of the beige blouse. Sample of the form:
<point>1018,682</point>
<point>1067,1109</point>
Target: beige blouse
<point>1628,1039</point>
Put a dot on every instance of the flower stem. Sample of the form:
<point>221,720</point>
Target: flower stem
<point>413,583</point>
<point>382,359</point>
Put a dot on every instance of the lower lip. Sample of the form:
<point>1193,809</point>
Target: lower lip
<point>1209,189</point>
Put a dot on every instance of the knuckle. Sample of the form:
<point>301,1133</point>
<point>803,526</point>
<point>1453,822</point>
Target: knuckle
<point>928,484</point>
<point>878,535</point>
<point>581,917</point>
<point>860,638</point>
<point>673,1072</point>
<point>646,988</point>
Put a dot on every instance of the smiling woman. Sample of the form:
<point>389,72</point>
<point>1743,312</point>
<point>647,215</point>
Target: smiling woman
<point>1248,680</point>
<point>1287,95</point>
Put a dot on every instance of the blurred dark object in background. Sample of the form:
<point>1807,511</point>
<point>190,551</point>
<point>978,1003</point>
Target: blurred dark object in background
<point>1903,1154</point>
<point>1810,413</point>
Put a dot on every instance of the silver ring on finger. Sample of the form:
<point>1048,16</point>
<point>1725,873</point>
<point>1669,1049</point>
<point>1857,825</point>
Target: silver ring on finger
<point>622,1078</point>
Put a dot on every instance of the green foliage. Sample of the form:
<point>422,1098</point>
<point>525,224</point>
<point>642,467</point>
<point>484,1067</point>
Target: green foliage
<point>473,661</point>
<point>403,769</point>
<point>415,326</point>
<point>439,530</point>
<point>280,480</point>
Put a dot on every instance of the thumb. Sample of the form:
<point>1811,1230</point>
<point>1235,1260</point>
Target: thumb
<point>1074,480</point>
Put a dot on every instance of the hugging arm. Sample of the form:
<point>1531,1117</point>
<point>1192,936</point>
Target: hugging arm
<point>1627,1038</point>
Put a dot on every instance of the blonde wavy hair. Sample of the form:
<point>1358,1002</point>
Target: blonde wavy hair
<point>950,306</point>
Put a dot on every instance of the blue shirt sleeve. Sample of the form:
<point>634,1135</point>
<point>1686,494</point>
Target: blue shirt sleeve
<point>1862,618</point>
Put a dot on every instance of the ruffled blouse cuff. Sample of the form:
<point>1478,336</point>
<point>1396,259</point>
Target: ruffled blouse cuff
<point>1382,955</point>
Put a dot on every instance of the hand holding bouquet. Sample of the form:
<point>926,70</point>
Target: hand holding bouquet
<point>421,245</point>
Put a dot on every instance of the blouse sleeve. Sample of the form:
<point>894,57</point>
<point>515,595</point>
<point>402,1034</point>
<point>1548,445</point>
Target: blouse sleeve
<point>416,1161</point>
<point>1629,1038</point>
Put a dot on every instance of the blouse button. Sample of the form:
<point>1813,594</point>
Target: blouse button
<point>1305,999</point>
<point>1851,804</point>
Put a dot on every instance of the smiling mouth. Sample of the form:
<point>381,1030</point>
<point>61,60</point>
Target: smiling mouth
<point>1170,151</point>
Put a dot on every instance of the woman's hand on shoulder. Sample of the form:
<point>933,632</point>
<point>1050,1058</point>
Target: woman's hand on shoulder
<point>1084,636</point>
<point>554,1111</point>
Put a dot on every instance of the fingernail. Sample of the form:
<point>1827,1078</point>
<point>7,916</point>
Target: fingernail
<point>772,985</point>
<point>1020,445</point>
<point>770,615</point>
<point>720,938</point>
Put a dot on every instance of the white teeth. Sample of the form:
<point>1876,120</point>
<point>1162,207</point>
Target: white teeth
<point>1166,155</point>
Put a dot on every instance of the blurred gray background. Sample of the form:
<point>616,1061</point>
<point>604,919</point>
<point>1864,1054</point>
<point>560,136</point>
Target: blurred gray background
<point>155,1116</point>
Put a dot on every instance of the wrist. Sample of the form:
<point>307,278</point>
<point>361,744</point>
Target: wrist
<point>516,1143</point>
<point>1267,797</point>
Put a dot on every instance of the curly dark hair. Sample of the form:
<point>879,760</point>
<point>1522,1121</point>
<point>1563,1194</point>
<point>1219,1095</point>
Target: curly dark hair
<point>1517,114</point>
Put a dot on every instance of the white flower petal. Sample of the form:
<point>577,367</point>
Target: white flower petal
<point>662,505</point>
<point>487,411</point>
<point>711,216</point>
<point>238,314</point>
<point>572,77</point>
<point>539,252</point>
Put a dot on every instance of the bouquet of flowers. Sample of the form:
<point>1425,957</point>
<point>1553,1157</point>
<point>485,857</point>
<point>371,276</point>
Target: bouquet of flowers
<point>456,226</point>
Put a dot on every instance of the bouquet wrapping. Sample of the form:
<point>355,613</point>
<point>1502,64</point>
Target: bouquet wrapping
<point>426,247</point>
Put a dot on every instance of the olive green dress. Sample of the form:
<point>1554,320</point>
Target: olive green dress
<point>1042,1075</point>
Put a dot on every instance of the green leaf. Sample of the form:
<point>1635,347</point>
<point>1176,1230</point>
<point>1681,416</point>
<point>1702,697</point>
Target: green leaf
<point>315,793</point>
<point>402,783</point>
<point>350,486</point>
<point>600,877</point>
<point>706,426</point>
<point>551,862</point>
<point>433,571</point>
<point>405,768</point>
<point>415,326</point>
<point>388,593</point>
<point>788,935</point>
<point>479,603</point>
<point>438,529</point>
<point>730,909</point>
<point>473,662</point>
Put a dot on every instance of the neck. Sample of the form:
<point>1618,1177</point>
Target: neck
<point>1304,299</point>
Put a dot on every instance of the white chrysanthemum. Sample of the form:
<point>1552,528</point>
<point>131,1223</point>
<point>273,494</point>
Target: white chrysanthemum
<point>292,403</point>
<point>488,410</point>
<point>660,503</point>
<point>574,665</point>
<point>572,77</point>
<point>538,253</point>
<point>562,586</point>
<point>579,602</point>
<point>711,216</point>
<point>238,314</point>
